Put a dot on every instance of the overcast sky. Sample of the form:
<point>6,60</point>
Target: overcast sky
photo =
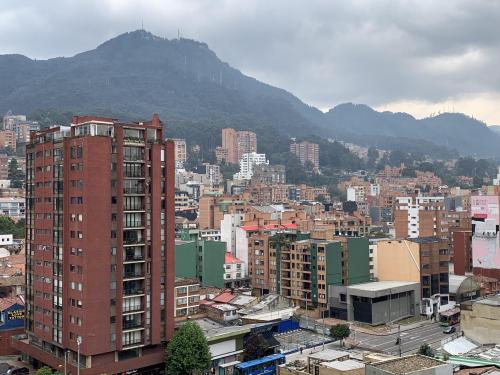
<point>418,56</point>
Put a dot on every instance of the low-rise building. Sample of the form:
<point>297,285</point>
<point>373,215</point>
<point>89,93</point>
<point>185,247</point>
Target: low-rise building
<point>11,322</point>
<point>375,303</point>
<point>414,364</point>
<point>12,207</point>
<point>480,320</point>
<point>186,297</point>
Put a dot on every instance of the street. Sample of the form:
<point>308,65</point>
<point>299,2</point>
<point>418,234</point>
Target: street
<point>411,340</point>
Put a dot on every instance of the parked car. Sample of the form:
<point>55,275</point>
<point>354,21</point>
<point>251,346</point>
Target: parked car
<point>18,371</point>
<point>450,330</point>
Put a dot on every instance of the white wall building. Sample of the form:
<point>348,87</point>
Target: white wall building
<point>228,226</point>
<point>246,165</point>
<point>12,207</point>
<point>234,268</point>
<point>180,153</point>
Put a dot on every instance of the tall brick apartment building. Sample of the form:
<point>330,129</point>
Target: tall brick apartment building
<point>100,246</point>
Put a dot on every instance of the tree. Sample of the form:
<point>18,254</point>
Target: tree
<point>9,226</point>
<point>45,370</point>
<point>187,352</point>
<point>340,331</point>
<point>256,347</point>
<point>426,350</point>
<point>15,176</point>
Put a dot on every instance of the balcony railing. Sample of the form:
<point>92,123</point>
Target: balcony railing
<point>132,274</point>
<point>133,308</point>
<point>133,291</point>
<point>131,325</point>
<point>134,190</point>
<point>133,257</point>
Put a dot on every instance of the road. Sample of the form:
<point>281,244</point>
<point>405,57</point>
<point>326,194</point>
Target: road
<point>411,340</point>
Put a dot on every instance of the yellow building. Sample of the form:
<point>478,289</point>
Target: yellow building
<point>397,260</point>
<point>480,320</point>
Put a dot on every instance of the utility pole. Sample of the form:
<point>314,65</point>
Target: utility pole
<point>399,339</point>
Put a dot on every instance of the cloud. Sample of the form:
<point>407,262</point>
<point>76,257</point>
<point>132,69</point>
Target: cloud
<point>379,52</point>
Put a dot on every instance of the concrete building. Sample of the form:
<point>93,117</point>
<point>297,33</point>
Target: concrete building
<point>186,297</point>
<point>480,320</point>
<point>375,303</point>
<point>100,267</point>
<point>180,153</point>
<point>247,164</point>
<point>414,364</point>
<point>268,174</point>
<point>306,152</point>
<point>235,271</point>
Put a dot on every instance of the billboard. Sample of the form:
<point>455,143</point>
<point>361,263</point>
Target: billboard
<point>485,227</point>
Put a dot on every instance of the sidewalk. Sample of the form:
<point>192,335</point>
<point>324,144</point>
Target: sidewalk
<point>376,331</point>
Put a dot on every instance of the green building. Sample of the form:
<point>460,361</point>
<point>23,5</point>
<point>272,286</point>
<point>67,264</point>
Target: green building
<point>201,259</point>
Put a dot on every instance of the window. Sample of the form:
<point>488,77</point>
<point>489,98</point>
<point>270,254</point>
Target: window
<point>76,200</point>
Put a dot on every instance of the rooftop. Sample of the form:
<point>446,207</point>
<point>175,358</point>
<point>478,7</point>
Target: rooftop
<point>328,355</point>
<point>491,301</point>
<point>380,285</point>
<point>406,365</point>
<point>231,259</point>
<point>182,281</point>
<point>347,365</point>
<point>224,297</point>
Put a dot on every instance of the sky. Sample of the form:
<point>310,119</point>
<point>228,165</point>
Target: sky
<point>422,57</point>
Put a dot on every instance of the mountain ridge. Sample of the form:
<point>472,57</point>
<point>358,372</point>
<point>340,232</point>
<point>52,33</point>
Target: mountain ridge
<point>137,73</point>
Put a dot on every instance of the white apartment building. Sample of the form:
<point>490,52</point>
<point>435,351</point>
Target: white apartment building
<point>180,153</point>
<point>12,207</point>
<point>247,163</point>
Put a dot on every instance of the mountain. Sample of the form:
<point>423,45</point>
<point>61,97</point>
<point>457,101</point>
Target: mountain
<point>452,130</point>
<point>196,94</point>
<point>495,128</point>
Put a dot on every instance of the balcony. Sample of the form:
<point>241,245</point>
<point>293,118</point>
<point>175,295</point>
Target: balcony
<point>129,292</point>
<point>133,190</point>
<point>133,275</point>
<point>129,325</point>
<point>132,258</point>
<point>133,309</point>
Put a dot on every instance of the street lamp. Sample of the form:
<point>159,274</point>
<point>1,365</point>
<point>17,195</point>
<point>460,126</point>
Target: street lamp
<point>78,343</point>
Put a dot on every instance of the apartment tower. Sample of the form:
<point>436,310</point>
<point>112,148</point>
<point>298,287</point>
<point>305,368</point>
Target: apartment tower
<point>99,246</point>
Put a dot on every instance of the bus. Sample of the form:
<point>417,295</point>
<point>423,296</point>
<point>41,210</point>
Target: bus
<point>262,366</point>
<point>450,317</point>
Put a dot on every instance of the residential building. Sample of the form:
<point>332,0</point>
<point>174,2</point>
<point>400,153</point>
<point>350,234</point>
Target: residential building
<point>12,273</point>
<point>235,275</point>
<point>268,174</point>
<point>480,320</point>
<point>299,267</point>
<point>12,207</point>
<point>235,144</point>
<point>212,208</point>
<point>417,217</point>
<point>100,268</point>
<point>201,259</point>
<point>307,153</point>
<point>247,164</point>
<point>8,139</point>
<point>4,166</point>
<point>187,297</point>
<point>423,260</point>
<point>180,153</point>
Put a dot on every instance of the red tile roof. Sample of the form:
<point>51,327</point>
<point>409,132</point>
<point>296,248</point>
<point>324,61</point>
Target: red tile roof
<point>7,302</point>
<point>224,297</point>
<point>230,258</point>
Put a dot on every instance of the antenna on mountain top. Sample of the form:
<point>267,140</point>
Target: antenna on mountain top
<point>179,34</point>
<point>142,24</point>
